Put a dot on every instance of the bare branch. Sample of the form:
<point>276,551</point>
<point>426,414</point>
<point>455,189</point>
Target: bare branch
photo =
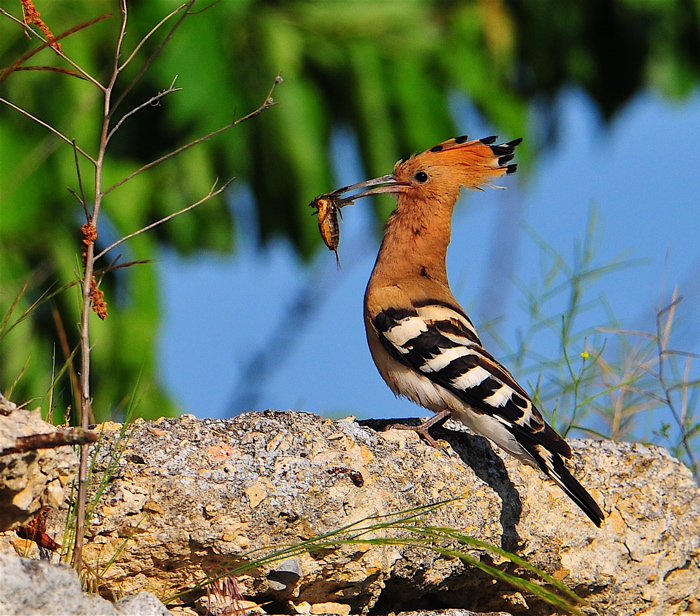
<point>663,334</point>
<point>87,302</point>
<point>49,127</point>
<point>145,38</point>
<point>648,394</point>
<point>46,43</point>
<point>211,194</point>
<point>78,199</point>
<point>684,384</point>
<point>150,101</point>
<point>122,33</point>
<point>687,354</point>
<point>113,267</point>
<point>82,199</point>
<point>50,440</point>
<point>670,313</point>
<point>269,102</point>
<point>53,69</point>
<point>206,8</point>
<point>150,60</point>
<point>626,332</point>
<point>675,300</point>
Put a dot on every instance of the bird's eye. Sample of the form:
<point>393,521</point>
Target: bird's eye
<point>421,177</point>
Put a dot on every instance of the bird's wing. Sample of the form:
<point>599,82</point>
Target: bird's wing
<point>438,340</point>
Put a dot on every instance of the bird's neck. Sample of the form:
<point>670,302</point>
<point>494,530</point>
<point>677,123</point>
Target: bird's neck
<point>415,245</point>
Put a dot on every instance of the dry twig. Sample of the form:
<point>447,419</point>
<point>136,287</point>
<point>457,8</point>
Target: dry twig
<point>92,295</point>
<point>51,440</point>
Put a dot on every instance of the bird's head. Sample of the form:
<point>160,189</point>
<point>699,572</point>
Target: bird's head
<point>437,174</point>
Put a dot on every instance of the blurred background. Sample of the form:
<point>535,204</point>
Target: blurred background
<point>566,273</point>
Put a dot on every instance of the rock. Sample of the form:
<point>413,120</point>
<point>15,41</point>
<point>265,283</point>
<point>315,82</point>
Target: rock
<point>451,612</point>
<point>37,588</point>
<point>142,604</point>
<point>32,479</point>
<point>190,498</point>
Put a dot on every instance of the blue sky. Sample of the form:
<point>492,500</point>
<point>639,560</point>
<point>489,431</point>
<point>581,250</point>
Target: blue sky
<point>639,173</point>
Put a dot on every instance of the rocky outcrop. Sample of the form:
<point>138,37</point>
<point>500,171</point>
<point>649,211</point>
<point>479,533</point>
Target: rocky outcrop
<point>190,498</point>
<point>36,469</point>
<point>32,587</point>
<point>33,478</point>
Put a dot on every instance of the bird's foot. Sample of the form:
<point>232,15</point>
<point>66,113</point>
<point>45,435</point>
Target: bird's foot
<point>422,430</point>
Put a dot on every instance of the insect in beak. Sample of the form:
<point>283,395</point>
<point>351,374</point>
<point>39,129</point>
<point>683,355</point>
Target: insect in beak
<point>328,206</point>
<point>328,211</point>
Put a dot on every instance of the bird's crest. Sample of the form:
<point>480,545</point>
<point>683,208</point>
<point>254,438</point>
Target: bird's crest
<point>473,163</point>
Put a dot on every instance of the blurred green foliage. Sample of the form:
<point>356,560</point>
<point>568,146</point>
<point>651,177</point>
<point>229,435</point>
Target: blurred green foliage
<point>385,69</point>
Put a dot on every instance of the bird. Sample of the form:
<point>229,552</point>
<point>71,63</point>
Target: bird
<point>422,342</point>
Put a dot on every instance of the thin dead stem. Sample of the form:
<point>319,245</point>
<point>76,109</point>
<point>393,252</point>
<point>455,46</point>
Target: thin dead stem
<point>122,33</point>
<point>88,273</point>
<point>269,102</point>
<point>47,43</point>
<point>149,61</point>
<point>211,194</point>
<point>150,101</point>
<point>153,31</point>
<point>87,279</point>
<point>113,268</point>
<point>50,440</point>
<point>49,127</point>
<point>664,326</point>
<point>670,392</point>
<point>50,69</point>
<point>81,199</point>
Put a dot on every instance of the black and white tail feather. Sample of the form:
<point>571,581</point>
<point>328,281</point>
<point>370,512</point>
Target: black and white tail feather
<point>449,368</point>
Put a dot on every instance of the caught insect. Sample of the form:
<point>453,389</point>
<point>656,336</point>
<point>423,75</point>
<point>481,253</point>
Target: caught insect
<point>329,215</point>
<point>328,209</point>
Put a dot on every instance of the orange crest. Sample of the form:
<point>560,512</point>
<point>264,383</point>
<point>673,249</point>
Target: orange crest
<point>471,164</point>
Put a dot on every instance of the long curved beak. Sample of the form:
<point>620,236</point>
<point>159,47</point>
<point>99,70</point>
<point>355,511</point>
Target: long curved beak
<point>377,186</point>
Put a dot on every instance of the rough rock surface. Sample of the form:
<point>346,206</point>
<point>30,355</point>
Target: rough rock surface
<point>450,612</point>
<point>30,480</point>
<point>32,587</point>
<point>194,495</point>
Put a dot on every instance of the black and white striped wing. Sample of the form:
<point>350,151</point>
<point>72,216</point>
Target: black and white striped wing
<point>439,341</point>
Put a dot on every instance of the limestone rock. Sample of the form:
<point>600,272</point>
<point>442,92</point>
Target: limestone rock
<point>32,479</point>
<point>189,497</point>
<point>37,588</point>
<point>451,612</point>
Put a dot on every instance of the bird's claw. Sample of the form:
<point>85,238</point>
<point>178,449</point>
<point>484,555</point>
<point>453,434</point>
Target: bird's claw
<point>422,431</point>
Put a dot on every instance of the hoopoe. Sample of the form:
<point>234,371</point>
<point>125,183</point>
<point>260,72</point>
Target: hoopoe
<point>422,342</point>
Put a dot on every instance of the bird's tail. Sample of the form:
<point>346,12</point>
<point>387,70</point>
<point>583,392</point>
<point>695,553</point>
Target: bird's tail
<point>476,162</point>
<point>558,472</point>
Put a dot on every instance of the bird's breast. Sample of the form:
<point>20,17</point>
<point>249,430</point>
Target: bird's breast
<point>404,381</point>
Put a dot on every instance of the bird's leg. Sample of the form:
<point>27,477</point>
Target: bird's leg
<point>422,430</point>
